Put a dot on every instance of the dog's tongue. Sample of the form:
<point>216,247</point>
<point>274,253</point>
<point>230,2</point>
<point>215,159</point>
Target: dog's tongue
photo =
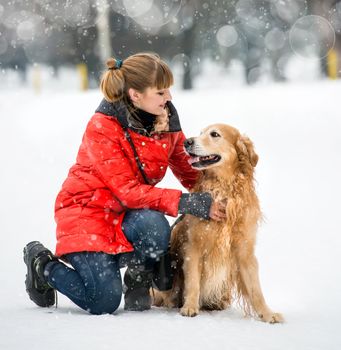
<point>193,160</point>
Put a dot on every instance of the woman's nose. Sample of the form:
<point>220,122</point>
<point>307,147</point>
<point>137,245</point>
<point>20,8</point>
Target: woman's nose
<point>168,96</point>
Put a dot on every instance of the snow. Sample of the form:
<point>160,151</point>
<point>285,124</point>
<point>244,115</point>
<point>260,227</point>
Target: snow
<point>296,130</point>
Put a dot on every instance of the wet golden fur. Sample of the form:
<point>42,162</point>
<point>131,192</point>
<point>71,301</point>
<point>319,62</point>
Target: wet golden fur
<point>216,264</point>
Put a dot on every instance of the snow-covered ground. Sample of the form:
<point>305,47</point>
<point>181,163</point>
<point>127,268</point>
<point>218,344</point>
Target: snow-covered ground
<point>296,130</point>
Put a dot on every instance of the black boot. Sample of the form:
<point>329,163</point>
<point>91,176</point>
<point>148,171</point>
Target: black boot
<point>36,256</point>
<point>137,283</point>
<point>164,270</point>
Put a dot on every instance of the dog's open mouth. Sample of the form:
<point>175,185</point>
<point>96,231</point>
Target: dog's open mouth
<point>203,161</point>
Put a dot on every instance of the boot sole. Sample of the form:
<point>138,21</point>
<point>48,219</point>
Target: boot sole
<point>126,308</point>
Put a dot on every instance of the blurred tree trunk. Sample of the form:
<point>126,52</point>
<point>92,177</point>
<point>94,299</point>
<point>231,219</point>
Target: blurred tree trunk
<point>188,45</point>
<point>103,28</point>
<point>188,42</point>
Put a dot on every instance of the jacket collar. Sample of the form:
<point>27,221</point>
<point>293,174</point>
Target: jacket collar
<point>120,111</point>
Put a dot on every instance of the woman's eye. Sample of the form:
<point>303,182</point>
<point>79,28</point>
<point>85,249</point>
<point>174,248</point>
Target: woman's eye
<point>214,134</point>
<point>161,93</point>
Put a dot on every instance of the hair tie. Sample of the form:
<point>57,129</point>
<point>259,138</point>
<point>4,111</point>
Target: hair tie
<point>118,64</point>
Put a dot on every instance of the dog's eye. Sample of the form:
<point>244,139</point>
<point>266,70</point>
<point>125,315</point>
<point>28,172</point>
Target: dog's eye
<point>214,134</point>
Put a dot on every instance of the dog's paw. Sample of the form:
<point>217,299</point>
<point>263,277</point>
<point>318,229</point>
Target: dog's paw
<point>272,317</point>
<point>169,303</point>
<point>157,298</point>
<point>189,311</point>
<point>158,302</point>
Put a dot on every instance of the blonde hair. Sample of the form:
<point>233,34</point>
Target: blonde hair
<point>138,71</point>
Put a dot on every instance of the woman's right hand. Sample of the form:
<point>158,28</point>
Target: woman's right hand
<point>218,211</point>
<point>202,205</point>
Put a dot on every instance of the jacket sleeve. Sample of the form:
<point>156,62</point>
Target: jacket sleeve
<point>178,163</point>
<point>102,141</point>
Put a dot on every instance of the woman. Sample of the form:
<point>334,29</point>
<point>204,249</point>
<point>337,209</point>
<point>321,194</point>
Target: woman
<point>109,213</point>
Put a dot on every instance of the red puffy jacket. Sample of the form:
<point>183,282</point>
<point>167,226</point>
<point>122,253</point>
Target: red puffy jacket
<point>105,182</point>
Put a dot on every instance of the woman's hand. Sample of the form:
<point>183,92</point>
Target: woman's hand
<point>218,211</point>
<point>202,205</point>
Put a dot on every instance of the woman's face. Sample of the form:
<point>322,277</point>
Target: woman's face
<point>152,100</point>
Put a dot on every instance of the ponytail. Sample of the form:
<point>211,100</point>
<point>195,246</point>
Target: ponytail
<point>112,82</point>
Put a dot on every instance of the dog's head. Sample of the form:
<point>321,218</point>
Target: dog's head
<point>220,145</point>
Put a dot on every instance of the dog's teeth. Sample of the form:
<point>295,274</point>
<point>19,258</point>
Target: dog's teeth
<point>193,160</point>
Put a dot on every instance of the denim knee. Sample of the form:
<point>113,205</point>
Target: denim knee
<point>148,230</point>
<point>158,228</point>
<point>105,300</point>
<point>94,283</point>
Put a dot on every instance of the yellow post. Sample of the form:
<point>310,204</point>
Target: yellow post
<point>36,79</point>
<point>332,64</point>
<point>83,74</point>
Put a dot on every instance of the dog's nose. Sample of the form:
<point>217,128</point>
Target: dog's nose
<point>188,142</point>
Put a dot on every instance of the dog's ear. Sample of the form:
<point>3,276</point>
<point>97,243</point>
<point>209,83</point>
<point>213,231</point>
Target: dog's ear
<point>244,147</point>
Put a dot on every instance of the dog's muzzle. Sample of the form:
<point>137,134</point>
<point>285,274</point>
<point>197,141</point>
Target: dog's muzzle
<point>198,160</point>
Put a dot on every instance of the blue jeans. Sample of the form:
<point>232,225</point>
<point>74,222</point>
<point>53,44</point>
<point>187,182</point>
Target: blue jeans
<point>94,282</point>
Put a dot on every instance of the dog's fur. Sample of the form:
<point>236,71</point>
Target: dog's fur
<point>216,264</point>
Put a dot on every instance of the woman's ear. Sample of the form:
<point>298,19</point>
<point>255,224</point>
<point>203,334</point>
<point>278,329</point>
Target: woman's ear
<point>134,95</point>
<point>245,149</point>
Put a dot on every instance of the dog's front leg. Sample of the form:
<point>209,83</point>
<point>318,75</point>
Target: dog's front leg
<point>248,266</point>
<point>192,268</point>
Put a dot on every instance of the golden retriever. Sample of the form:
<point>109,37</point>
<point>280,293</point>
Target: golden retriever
<point>216,264</point>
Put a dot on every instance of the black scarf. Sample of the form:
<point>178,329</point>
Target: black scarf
<point>145,118</point>
<point>120,110</point>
